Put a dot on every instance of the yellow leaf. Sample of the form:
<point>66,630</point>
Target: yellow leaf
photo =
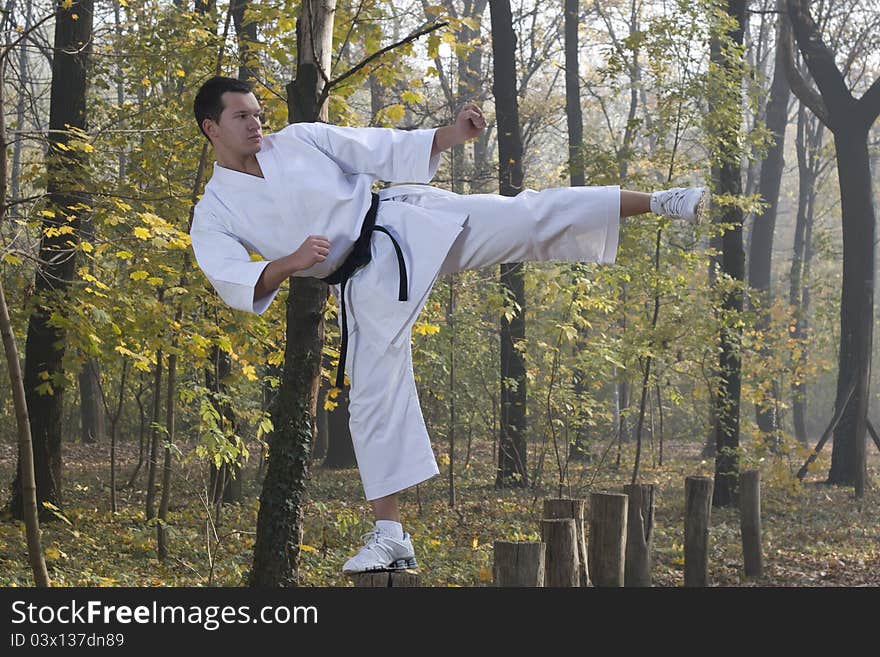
<point>48,213</point>
<point>138,275</point>
<point>66,4</point>
<point>142,233</point>
<point>308,548</point>
<point>180,72</point>
<point>475,543</point>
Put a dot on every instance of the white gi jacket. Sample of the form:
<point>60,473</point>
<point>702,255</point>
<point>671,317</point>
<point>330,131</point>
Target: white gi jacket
<point>317,181</point>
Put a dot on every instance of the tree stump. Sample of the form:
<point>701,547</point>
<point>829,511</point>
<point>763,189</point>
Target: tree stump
<point>518,563</point>
<point>561,562</point>
<point>639,534</point>
<point>560,508</point>
<point>698,503</point>
<point>607,538</point>
<point>750,522</point>
<point>383,579</point>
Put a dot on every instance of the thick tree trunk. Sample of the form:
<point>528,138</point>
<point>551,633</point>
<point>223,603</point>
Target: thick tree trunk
<point>45,346</point>
<point>511,471</point>
<point>761,246</point>
<point>857,302</point>
<point>279,523</point>
<point>729,182</point>
<point>850,121</point>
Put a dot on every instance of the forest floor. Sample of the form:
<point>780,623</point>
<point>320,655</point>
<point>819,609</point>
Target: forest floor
<point>813,534</point>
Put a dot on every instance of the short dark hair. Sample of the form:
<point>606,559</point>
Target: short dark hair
<point>208,103</point>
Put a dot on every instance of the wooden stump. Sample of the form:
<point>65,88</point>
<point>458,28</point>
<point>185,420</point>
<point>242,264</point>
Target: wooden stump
<point>518,563</point>
<point>607,538</point>
<point>560,508</point>
<point>639,534</point>
<point>698,503</point>
<point>750,522</point>
<point>386,579</point>
<point>561,562</point>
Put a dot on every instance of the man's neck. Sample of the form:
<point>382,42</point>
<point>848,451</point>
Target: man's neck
<point>246,164</point>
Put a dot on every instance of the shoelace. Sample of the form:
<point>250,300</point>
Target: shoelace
<point>371,542</point>
<point>673,204</point>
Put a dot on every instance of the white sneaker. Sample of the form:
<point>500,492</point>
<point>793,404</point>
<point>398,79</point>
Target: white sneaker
<point>382,552</point>
<point>688,203</point>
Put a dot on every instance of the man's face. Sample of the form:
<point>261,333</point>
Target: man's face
<point>238,132</point>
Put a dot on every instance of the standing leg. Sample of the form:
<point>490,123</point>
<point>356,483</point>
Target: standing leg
<point>391,444</point>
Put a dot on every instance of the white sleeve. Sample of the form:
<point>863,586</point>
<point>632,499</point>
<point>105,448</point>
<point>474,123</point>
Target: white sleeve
<point>229,268</point>
<point>388,154</point>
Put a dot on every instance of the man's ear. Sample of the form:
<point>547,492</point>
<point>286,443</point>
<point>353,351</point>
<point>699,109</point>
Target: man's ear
<point>209,126</point>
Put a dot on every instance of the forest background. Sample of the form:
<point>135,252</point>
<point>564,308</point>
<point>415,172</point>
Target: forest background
<point>709,350</point>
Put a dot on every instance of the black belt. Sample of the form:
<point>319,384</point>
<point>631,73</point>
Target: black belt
<point>360,255</point>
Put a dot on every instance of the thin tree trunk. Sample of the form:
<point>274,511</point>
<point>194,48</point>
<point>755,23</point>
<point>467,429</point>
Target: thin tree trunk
<point>761,246</point>
<point>28,485</point>
<point>170,399</point>
<point>511,470</point>
<point>150,503</point>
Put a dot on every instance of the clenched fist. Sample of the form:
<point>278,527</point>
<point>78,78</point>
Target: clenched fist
<point>470,121</point>
<point>313,250</point>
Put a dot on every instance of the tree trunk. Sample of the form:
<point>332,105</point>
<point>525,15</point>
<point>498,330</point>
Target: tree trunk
<point>850,121</point>
<point>170,404</point>
<point>28,488</point>
<point>225,481</point>
<point>45,346</point>
<point>279,523</point>
<point>511,471</point>
<point>856,305</point>
<point>808,145</point>
<point>150,502</point>
<point>728,182</point>
<point>761,246</point>
<point>340,449</point>
<point>91,409</point>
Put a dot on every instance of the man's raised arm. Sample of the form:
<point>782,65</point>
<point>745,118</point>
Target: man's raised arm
<point>468,125</point>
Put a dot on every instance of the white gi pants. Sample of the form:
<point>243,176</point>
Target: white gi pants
<point>570,224</point>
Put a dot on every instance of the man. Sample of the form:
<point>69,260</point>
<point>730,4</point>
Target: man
<point>302,199</point>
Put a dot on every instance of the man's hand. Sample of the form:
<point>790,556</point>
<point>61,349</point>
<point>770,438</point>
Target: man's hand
<point>313,250</point>
<point>469,124</point>
<point>470,121</point>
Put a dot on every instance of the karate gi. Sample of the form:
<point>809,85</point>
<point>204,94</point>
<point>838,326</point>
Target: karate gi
<point>317,181</point>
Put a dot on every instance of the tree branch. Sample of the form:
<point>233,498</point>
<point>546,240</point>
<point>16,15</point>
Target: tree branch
<point>325,92</point>
<point>798,85</point>
<point>818,57</point>
<point>869,103</point>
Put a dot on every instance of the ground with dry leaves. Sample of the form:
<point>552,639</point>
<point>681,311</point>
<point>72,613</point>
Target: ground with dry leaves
<point>814,535</point>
